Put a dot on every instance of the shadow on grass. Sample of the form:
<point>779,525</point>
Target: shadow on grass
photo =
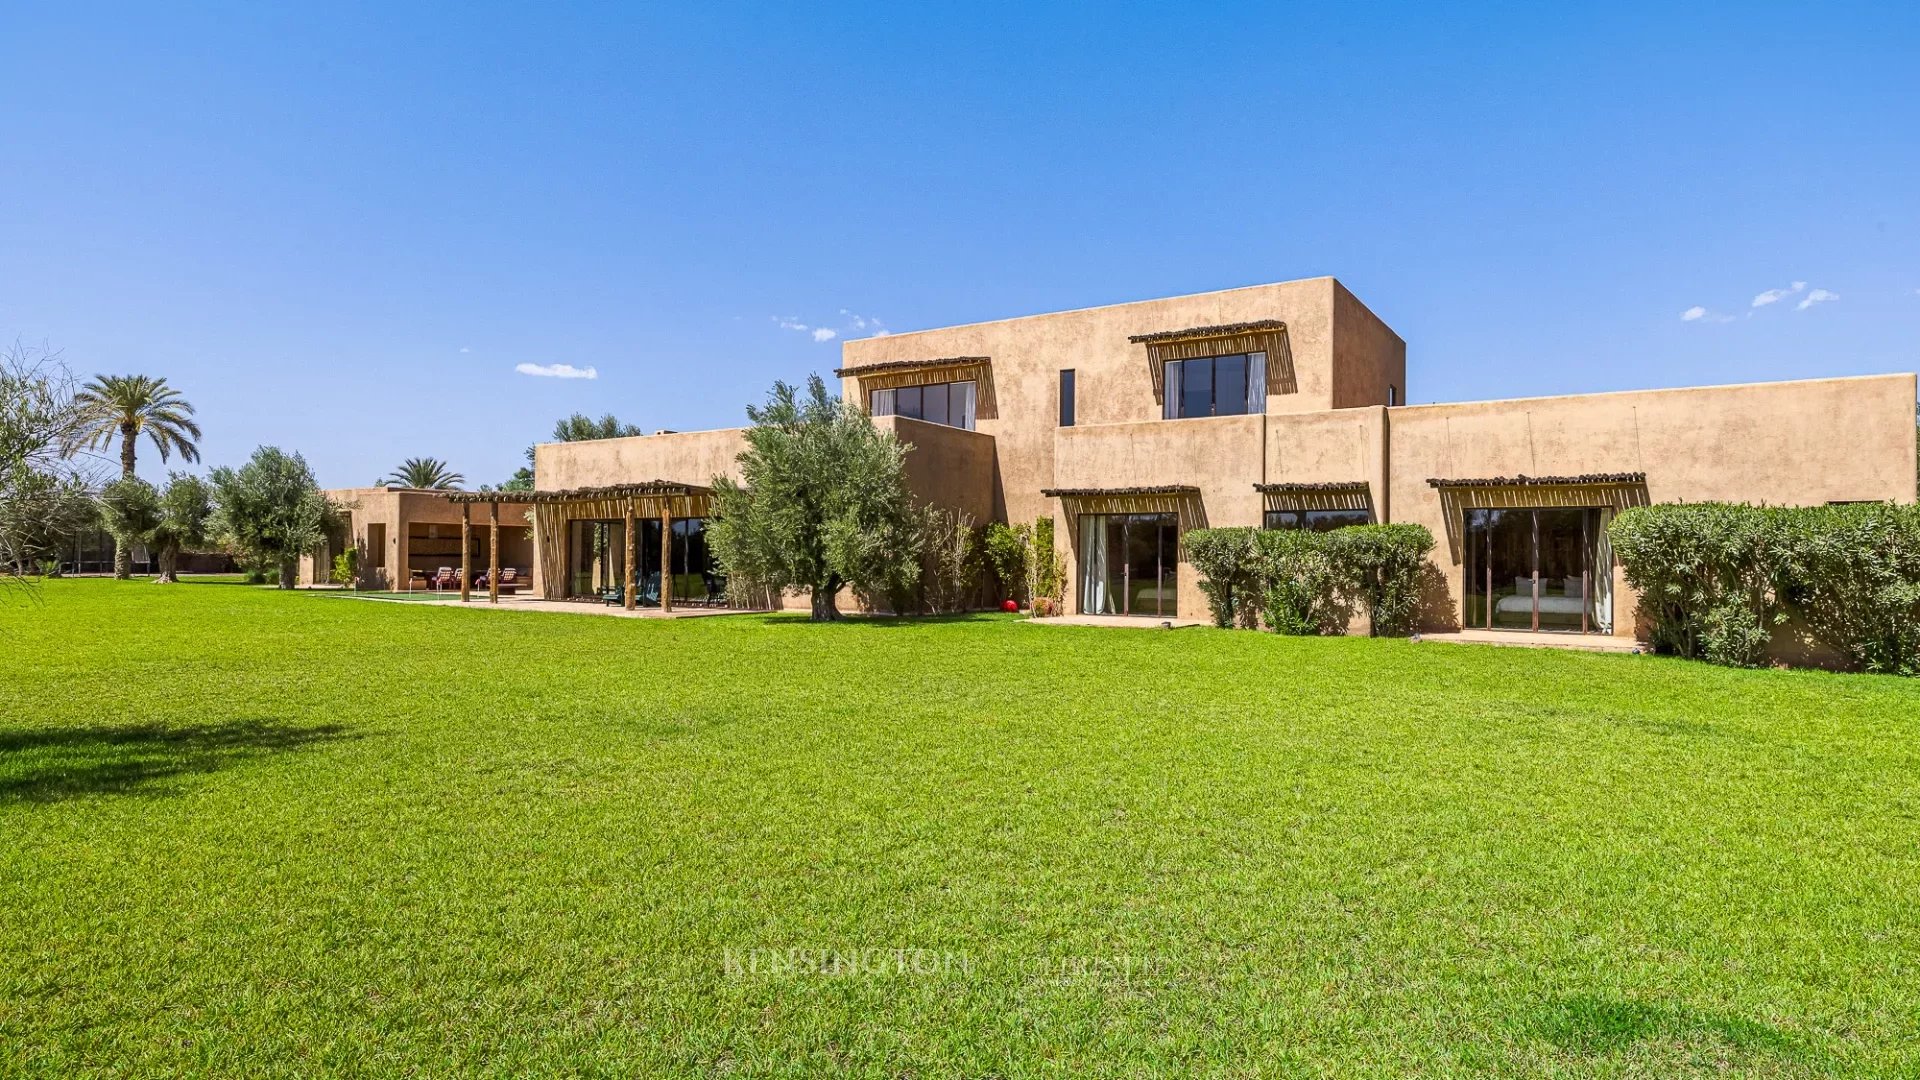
<point>51,764</point>
<point>1586,1024</point>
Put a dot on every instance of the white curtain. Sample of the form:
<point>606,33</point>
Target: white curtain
<point>960,405</point>
<point>1257,382</point>
<point>1171,395</point>
<point>1602,563</point>
<point>1093,564</point>
<point>882,403</point>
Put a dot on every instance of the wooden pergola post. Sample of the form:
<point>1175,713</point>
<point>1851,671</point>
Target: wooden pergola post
<point>466,550</point>
<point>493,552</point>
<point>666,554</point>
<point>631,586</point>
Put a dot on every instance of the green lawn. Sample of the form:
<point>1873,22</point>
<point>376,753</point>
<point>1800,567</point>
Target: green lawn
<point>248,833</point>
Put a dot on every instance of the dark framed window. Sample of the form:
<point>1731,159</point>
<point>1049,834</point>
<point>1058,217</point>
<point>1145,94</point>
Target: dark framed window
<point>1393,394</point>
<point>1316,520</point>
<point>1066,397</point>
<point>951,404</point>
<point>1233,385</point>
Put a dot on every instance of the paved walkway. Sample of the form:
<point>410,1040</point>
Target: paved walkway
<point>535,603</point>
<point>1529,639</point>
<point>1124,622</point>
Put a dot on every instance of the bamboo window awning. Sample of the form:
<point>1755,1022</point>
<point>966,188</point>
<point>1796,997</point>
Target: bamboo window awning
<point>1226,330</point>
<point>1155,489</point>
<point>1303,488</point>
<point>1199,342</point>
<point>1619,479</point>
<point>895,367</point>
<point>900,374</point>
<point>1182,500</point>
<point>1318,495</point>
<point>645,489</point>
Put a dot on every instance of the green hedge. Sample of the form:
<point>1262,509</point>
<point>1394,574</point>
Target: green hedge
<point>1310,583</point>
<point>1717,581</point>
<point>1229,573</point>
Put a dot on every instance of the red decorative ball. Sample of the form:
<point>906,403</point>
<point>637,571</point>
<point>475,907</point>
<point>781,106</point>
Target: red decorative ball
<point>1010,606</point>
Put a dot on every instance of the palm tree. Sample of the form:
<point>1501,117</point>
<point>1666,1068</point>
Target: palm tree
<point>125,407</point>
<point>426,473</point>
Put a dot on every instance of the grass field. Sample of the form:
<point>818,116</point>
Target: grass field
<point>252,833</point>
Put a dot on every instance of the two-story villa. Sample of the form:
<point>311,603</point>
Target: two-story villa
<point>1280,406</point>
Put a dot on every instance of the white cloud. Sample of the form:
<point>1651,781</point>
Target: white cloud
<point>464,348</point>
<point>1693,314</point>
<point>1776,295</point>
<point>856,324</point>
<point>557,371</point>
<point>1817,296</point>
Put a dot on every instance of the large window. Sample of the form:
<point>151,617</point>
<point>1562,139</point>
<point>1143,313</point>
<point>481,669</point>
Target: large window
<point>597,548</point>
<point>1538,569</point>
<point>1216,386</point>
<point>1128,563</point>
<point>936,403</point>
<point>1316,520</point>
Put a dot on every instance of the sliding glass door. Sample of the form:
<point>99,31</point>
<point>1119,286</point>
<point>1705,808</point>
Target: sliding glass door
<point>1538,569</point>
<point>1128,564</point>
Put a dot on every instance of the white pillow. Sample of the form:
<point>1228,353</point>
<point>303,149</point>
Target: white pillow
<point>1523,586</point>
<point>1576,587</point>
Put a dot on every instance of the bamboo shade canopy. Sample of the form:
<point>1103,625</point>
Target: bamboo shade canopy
<point>1181,500</point>
<point>1199,342</point>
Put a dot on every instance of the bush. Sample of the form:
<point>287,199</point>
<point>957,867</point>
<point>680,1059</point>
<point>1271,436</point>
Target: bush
<point>1302,589</point>
<point>1383,565</point>
<point>1046,570</point>
<point>1852,575</point>
<point>1229,569</point>
<point>346,568</point>
<point>950,550</point>
<point>1717,579</point>
<point>1008,549</point>
<point>1708,574</point>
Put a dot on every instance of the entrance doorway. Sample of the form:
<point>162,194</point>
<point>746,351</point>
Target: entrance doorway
<point>1538,569</point>
<point>1128,564</point>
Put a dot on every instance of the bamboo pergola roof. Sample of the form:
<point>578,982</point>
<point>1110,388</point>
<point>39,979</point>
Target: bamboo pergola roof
<point>1261,326</point>
<point>1579,480</point>
<point>891,366</point>
<point>1300,488</point>
<point>646,489</point>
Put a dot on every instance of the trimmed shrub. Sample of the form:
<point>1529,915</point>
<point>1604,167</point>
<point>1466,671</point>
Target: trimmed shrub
<point>1383,566</point>
<point>1229,569</point>
<point>1302,589</point>
<point>1852,575</point>
<point>1709,576</point>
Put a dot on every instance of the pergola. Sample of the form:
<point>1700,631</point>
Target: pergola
<point>552,510</point>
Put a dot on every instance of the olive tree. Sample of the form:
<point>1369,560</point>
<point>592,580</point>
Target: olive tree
<point>822,502</point>
<point>271,509</point>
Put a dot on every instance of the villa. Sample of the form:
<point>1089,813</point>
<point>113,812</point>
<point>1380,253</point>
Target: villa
<point>1277,406</point>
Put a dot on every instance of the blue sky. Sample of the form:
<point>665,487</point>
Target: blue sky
<point>340,228</point>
